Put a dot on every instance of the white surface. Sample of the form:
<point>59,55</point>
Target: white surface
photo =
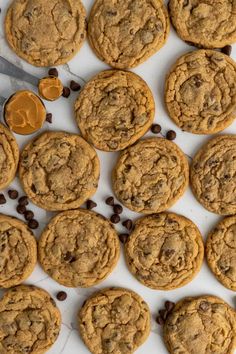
<point>81,68</point>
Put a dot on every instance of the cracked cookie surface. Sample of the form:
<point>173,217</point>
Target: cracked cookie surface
<point>200,92</point>
<point>28,23</point>
<point>221,252</point>
<point>29,321</point>
<point>165,251</point>
<point>205,23</point>
<point>79,248</point>
<point>201,325</point>
<point>114,109</point>
<point>213,175</point>
<point>18,251</point>
<point>125,33</point>
<point>150,176</point>
<point>9,157</point>
<point>114,321</point>
<point>59,171</point>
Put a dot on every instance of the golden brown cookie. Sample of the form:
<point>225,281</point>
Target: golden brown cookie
<point>114,110</point>
<point>151,175</point>
<point>201,325</point>
<point>79,248</point>
<point>200,92</point>
<point>204,23</point>
<point>114,320</point>
<point>164,251</point>
<point>45,32</point>
<point>213,175</point>
<point>125,33</point>
<point>29,321</point>
<point>59,171</point>
<point>18,251</point>
<point>9,157</point>
<point>221,252</point>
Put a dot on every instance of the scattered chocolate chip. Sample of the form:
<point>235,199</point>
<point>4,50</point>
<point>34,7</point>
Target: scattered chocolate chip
<point>53,72</point>
<point>227,50</point>
<point>2,199</point>
<point>156,128</point>
<point>13,194</point>
<point>117,209</point>
<point>128,224</point>
<point>204,305</point>
<point>169,305</point>
<point>61,296</point>
<point>33,224</point>
<point>163,314</point>
<point>29,215</point>
<point>171,135</point>
<point>23,201</point>
<point>110,201</point>
<point>75,86</point>
<point>49,117</point>
<point>160,321</point>
<point>90,204</point>
<point>123,238</point>
<point>115,218</point>
<point>21,209</point>
<point>69,257</point>
<point>66,92</point>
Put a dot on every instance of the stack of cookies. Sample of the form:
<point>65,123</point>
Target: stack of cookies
<point>60,171</point>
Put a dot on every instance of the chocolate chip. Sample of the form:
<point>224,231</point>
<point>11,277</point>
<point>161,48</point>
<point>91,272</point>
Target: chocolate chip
<point>69,257</point>
<point>110,201</point>
<point>227,50</point>
<point>123,238</point>
<point>33,224</point>
<point>49,117</point>
<point>75,86</point>
<point>61,296</point>
<point>23,200</point>
<point>171,135</point>
<point>90,204</point>
<point>117,209</point>
<point>29,215</point>
<point>169,305</point>
<point>128,224</point>
<point>53,72</point>
<point>66,92</point>
<point>163,314</point>
<point>2,199</point>
<point>13,194</point>
<point>115,218</point>
<point>156,128</point>
<point>21,209</point>
<point>204,306</point>
<point>160,321</point>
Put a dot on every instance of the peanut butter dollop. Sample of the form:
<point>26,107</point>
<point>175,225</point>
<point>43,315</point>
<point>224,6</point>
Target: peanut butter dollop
<point>50,88</point>
<point>24,112</point>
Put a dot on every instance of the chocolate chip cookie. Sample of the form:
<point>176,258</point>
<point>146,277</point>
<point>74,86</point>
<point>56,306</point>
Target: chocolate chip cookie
<point>201,325</point>
<point>125,33</point>
<point>9,157</point>
<point>221,252</point>
<point>165,251</point>
<point>114,110</point>
<point>18,251</point>
<point>59,171</point>
<point>29,321</point>
<point>200,92</point>
<point>204,23</point>
<point>45,32</point>
<point>114,320</point>
<point>151,175</point>
<point>213,175</point>
<point>79,248</point>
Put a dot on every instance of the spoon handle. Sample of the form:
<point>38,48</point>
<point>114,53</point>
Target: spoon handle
<point>12,70</point>
<point>2,100</point>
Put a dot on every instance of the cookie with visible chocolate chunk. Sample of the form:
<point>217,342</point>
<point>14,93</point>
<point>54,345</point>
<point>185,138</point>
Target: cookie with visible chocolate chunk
<point>114,320</point>
<point>204,23</point>
<point>125,33</point>
<point>213,175</point>
<point>200,92</point>
<point>201,325</point>
<point>221,252</point>
<point>114,109</point>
